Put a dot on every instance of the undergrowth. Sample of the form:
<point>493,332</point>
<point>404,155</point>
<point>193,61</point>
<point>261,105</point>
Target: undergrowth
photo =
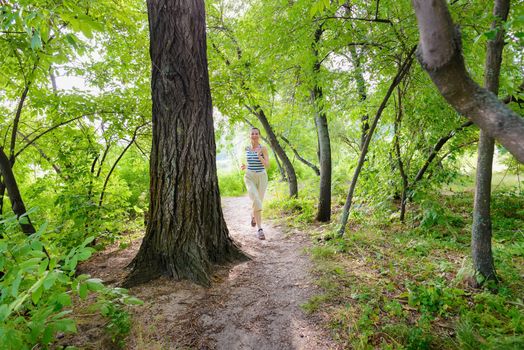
<point>39,286</point>
<point>389,285</point>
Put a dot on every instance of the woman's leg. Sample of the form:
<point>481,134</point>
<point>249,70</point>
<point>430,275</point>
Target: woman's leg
<point>252,189</point>
<point>261,189</point>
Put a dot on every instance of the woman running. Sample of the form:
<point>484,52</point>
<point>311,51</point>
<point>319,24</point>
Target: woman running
<point>256,178</point>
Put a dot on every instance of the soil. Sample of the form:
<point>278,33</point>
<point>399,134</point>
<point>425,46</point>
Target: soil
<point>251,305</point>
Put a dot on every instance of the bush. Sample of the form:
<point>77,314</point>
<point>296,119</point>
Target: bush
<point>37,285</point>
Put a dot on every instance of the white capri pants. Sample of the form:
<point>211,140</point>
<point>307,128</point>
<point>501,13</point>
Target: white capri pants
<point>256,184</point>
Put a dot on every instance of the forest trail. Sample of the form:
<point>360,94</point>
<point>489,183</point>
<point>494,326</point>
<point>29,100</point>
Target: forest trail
<point>251,305</point>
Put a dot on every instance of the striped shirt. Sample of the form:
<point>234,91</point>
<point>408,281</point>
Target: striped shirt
<point>253,163</point>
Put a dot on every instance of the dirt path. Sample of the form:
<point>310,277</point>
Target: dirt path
<point>252,305</point>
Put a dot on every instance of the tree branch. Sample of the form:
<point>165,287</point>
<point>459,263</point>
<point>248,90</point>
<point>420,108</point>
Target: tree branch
<point>440,54</point>
<point>438,146</point>
<point>305,161</point>
<point>116,163</point>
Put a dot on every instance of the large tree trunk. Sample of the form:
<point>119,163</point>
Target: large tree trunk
<point>440,54</point>
<point>186,232</point>
<point>403,70</point>
<point>481,228</point>
<point>14,194</point>
<point>324,144</point>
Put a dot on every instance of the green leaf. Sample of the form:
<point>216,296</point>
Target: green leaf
<point>133,301</point>
<point>491,35</point>
<point>94,284</point>
<point>63,299</point>
<point>72,40</point>
<point>50,280</point>
<point>16,285</point>
<point>37,294</point>
<point>4,312</point>
<point>84,254</point>
<point>36,42</point>
<point>82,290</point>
<point>65,325</point>
<point>88,240</point>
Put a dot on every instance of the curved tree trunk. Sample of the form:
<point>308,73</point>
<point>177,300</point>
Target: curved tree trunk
<point>401,73</point>
<point>186,232</point>
<point>481,228</point>
<point>440,54</point>
<point>324,144</point>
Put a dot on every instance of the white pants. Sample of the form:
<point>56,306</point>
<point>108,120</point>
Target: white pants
<point>256,184</point>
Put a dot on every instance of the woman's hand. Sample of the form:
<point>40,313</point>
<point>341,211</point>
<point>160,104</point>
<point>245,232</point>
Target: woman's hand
<point>243,167</point>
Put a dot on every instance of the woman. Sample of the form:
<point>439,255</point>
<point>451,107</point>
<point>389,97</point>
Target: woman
<point>256,178</point>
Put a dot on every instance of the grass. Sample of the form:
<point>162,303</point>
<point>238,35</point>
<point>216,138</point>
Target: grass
<point>392,286</point>
<point>231,184</point>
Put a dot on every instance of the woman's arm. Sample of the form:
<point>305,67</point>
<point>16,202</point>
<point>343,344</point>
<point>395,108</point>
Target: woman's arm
<point>263,156</point>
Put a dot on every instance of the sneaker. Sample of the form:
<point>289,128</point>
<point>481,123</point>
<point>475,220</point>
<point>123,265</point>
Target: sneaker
<point>260,234</point>
<point>253,222</point>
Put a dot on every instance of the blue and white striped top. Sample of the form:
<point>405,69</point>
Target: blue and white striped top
<point>253,163</point>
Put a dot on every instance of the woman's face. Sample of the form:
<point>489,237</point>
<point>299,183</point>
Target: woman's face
<point>255,135</point>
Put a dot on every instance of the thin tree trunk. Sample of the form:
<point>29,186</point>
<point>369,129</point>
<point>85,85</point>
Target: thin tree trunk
<point>403,70</point>
<point>324,144</point>
<point>396,144</point>
<point>481,228</point>
<point>53,80</point>
<point>280,168</point>
<point>2,194</point>
<point>440,54</point>
<point>186,232</point>
<point>14,132</point>
<point>361,88</point>
<point>14,194</point>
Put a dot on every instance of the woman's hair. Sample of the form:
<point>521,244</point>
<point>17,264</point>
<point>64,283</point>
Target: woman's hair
<point>255,128</point>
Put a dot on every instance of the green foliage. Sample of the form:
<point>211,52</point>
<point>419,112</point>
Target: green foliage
<point>297,210</point>
<point>111,305</point>
<point>38,284</point>
<point>393,286</point>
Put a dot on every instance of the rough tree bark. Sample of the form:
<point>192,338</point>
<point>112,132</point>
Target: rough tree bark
<point>186,232</point>
<point>324,144</point>
<point>481,228</point>
<point>403,70</point>
<point>440,54</point>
